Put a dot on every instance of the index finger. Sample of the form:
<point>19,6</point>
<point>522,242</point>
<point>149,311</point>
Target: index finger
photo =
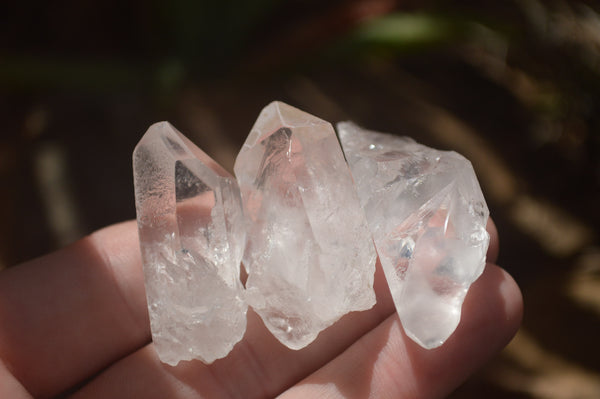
<point>67,315</point>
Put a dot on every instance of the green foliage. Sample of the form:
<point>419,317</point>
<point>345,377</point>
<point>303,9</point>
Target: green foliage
<point>408,31</point>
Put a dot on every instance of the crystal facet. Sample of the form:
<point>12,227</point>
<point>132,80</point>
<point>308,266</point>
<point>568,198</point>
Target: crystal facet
<point>191,235</point>
<point>309,253</point>
<point>428,217</point>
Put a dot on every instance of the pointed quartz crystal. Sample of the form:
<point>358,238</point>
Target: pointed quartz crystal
<point>309,254</point>
<point>191,235</point>
<point>428,217</point>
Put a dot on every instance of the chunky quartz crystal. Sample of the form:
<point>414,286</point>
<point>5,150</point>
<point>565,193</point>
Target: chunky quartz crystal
<point>428,217</point>
<point>309,254</point>
<point>191,235</point>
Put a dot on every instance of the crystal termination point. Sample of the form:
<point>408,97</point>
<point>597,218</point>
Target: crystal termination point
<point>191,235</point>
<point>309,254</point>
<point>428,218</point>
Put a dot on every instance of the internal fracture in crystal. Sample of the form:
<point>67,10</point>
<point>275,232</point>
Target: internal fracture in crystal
<point>428,216</point>
<point>191,235</point>
<point>309,254</point>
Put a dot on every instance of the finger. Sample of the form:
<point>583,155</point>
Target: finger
<point>65,316</point>
<point>386,364</point>
<point>259,366</point>
<point>494,248</point>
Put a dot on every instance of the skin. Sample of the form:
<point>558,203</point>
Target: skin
<point>75,323</point>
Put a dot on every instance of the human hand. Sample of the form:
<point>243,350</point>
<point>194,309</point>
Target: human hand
<point>75,322</point>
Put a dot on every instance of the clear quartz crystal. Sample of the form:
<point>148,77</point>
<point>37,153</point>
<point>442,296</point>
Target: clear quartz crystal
<point>428,217</point>
<point>191,235</point>
<point>309,254</point>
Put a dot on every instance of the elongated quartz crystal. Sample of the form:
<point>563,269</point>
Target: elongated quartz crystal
<point>191,235</point>
<point>428,217</point>
<point>309,254</point>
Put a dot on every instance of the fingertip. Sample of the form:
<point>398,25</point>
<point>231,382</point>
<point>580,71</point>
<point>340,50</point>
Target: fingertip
<point>513,301</point>
<point>493,308</point>
<point>494,247</point>
<point>491,316</point>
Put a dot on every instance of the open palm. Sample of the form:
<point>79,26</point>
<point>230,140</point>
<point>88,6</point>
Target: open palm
<point>75,323</point>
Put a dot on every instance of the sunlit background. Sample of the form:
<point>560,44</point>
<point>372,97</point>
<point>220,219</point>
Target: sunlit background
<point>512,85</point>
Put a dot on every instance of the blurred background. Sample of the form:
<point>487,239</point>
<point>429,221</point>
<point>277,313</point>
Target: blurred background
<point>513,85</point>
